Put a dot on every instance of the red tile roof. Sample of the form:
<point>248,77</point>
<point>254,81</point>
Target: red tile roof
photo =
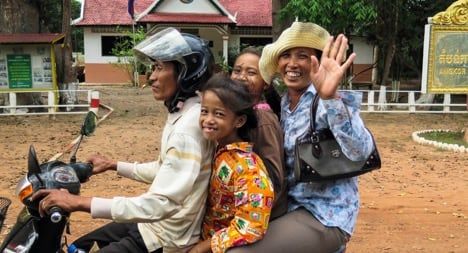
<point>186,18</point>
<point>29,38</point>
<point>249,13</point>
<point>104,12</point>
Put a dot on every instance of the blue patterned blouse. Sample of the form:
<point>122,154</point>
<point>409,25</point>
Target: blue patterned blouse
<point>333,203</point>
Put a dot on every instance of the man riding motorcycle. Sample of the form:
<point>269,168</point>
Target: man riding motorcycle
<point>169,214</point>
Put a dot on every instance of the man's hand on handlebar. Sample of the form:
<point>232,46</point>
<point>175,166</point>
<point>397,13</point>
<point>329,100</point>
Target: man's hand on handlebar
<point>62,199</point>
<point>101,164</point>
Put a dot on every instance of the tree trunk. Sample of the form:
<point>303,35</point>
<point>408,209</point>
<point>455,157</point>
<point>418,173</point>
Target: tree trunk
<point>69,84</point>
<point>19,16</point>
<point>389,53</point>
<point>279,24</point>
<point>375,69</point>
<point>68,75</point>
<point>391,46</point>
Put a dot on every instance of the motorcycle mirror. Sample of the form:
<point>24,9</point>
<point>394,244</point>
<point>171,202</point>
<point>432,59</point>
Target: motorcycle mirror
<point>33,164</point>
<point>88,127</point>
<point>89,124</point>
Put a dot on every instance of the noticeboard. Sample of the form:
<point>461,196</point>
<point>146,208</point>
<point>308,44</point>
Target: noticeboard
<point>448,60</point>
<point>19,71</point>
<point>26,67</point>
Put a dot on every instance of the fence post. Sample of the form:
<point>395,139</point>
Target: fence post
<point>94,103</point>
<point>13,102</point>
<point>370,101</point>
<point>51,102</point>
<point>447,102</point>
<point>382,98</point>
<point>411,102</point>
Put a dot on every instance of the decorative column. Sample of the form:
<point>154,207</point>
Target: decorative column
<point>225,48</point>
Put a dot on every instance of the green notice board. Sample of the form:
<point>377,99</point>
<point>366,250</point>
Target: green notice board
<point>19,70</point>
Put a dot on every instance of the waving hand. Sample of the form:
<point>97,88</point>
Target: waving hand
<point>327,74</point>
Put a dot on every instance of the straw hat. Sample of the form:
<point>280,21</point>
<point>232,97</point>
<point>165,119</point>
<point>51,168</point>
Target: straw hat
<point>298,35</point>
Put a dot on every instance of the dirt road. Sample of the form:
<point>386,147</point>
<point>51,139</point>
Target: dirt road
<point>417,202</point>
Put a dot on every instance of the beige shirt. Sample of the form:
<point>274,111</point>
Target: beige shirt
<point>169,215</point>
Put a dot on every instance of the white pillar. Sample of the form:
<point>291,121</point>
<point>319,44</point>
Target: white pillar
<point>425,64</point>
<point>447,102</point>
<point>12,102</point>
<point>225,48</point>
<point>411,102</point>
<point>370,101</point>
<point>382,98</point>
<point>51,102</point>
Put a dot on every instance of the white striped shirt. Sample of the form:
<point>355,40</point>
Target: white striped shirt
<point>171,211</point>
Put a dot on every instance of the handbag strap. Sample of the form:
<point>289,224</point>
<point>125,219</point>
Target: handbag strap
<point>313,111</point>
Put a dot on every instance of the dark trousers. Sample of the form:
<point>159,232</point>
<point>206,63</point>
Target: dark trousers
<point>113,238</point>
<point>297,232</point>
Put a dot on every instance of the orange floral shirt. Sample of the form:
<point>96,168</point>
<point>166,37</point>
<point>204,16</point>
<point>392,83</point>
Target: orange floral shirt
<point>240,198</point>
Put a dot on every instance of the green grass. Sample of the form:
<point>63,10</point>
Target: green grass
<point>445,137</point>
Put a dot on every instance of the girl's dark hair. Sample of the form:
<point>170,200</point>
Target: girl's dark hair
<point>236,97</point>
<point>272,97</point>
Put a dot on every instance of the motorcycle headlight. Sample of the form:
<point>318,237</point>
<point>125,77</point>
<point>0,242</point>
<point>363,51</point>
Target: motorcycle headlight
<point>24,189</point>
<point>64,175</point>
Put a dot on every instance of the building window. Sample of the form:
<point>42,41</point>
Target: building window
<point>110,42</point>
<point>252,41</point>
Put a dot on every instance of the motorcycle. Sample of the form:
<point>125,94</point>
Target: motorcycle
<point>31,232</point>
<point>4,204</point>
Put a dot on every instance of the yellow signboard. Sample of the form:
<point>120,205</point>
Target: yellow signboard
<point>27,67</point>
<point>448,59</point>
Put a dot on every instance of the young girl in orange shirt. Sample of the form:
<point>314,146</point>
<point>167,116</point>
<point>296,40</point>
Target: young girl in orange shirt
<point>241,194</point>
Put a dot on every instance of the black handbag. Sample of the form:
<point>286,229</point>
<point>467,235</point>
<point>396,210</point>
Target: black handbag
<point>319,157</point>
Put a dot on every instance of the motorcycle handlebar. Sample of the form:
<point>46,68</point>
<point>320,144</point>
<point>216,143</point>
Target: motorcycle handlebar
<point>55,214</point>
<point>83,172</point>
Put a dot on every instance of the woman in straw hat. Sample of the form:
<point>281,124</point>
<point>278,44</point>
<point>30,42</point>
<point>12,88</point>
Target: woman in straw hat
<point>321,215</point>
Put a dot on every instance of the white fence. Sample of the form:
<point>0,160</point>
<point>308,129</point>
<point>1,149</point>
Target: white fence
<point>376,101</point>
<point>45,103</point>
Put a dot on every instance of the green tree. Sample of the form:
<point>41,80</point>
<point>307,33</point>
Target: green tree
<point>351,17</point>
<point>396,27</point>
<point>43,16</point>
<point>409,48</point>
<point>340,16</point>
<point>123,50</point>
<point>76,32</point>
<point>399,33</point>
<point>51,13</point>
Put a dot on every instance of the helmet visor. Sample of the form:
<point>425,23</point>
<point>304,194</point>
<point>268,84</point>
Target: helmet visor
<point>166,45</point>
